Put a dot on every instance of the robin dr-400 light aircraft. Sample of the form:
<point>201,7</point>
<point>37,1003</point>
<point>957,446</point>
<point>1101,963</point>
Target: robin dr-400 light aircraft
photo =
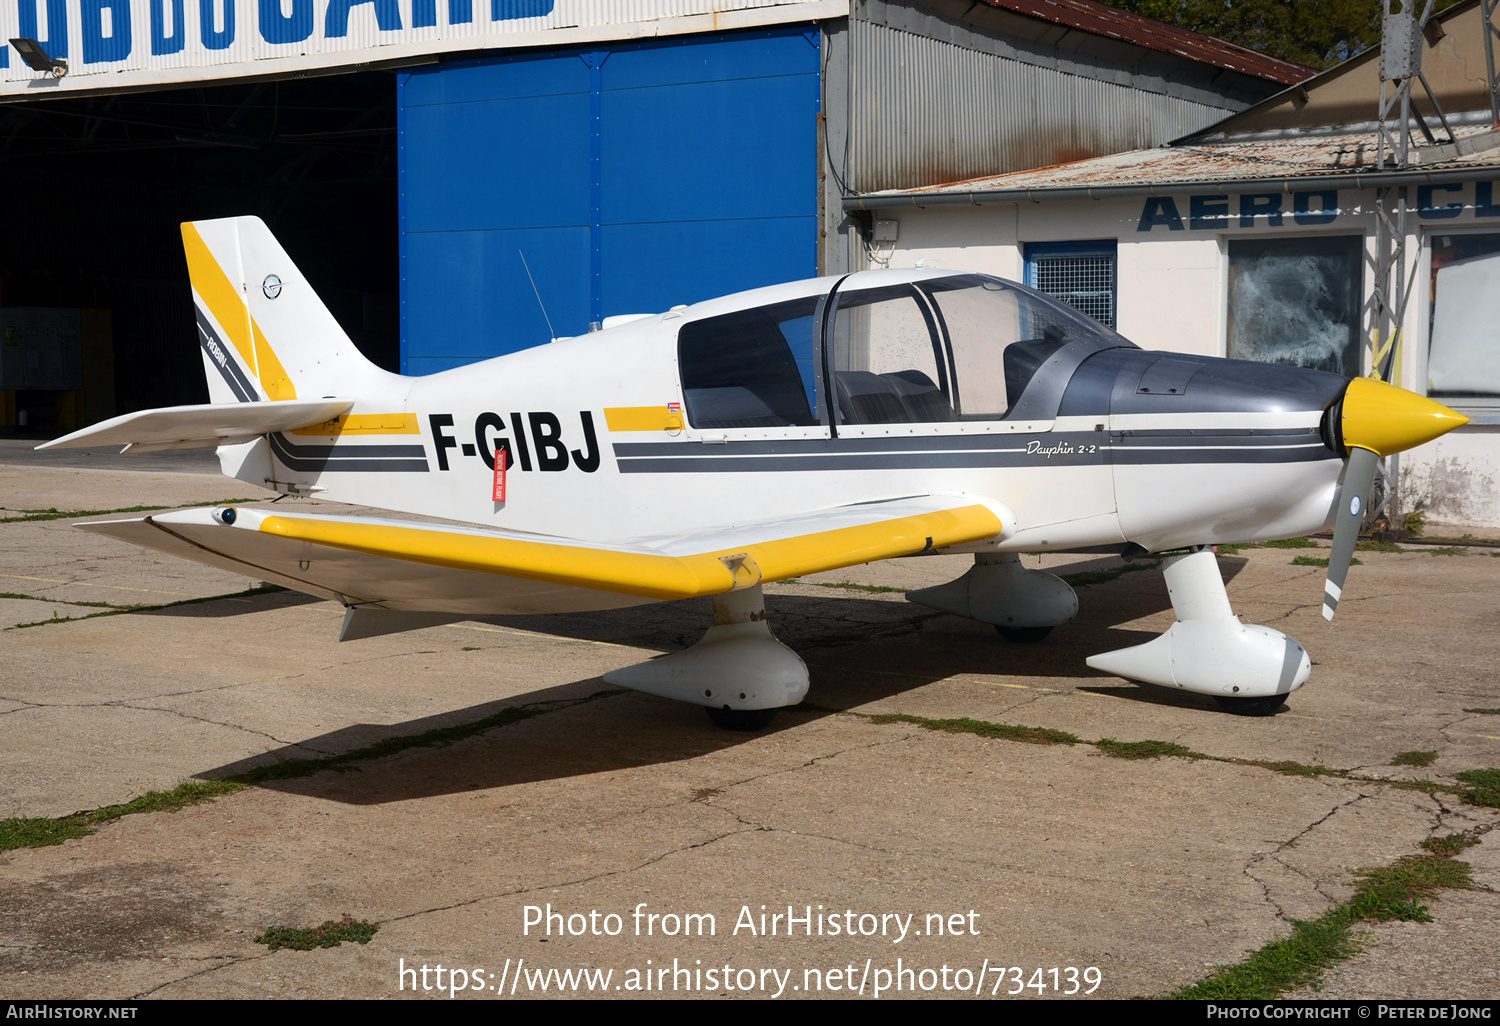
<point>762,436</point>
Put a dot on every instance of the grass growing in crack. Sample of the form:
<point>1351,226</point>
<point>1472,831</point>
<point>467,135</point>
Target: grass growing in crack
<point>1290,768</point>
<point>54,514</point>
<point>1377,546</point>
<point>1414,759</point>
<point>1323,561</point>
<point>42,832</point>
<point>1087,577</point>
<point>330,935</point>
<point>63,602</point>
<point>1289,543</point>
<point>1483,789</point>
<point>140,607</point>
<point>1447,550</point>
<point>1381,895</point>
<point>1484,712</point>
<point>984,728</point>
<point>1144,749</point>
<point>1450,845</point>
<point>851,586</point>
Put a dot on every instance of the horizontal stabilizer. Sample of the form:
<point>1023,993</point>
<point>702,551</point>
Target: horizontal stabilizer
<point>202,426</point>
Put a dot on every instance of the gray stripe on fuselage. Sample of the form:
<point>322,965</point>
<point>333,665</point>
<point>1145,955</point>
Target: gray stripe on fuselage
<point>318,464</point>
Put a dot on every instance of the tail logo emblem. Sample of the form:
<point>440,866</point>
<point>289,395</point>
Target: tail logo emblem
<point>271,286</point>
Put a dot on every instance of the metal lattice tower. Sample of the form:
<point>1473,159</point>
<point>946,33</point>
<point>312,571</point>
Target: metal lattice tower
<point>1401,36</point>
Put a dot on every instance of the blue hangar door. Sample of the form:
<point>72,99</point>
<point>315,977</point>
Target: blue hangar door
<point>627,179</point>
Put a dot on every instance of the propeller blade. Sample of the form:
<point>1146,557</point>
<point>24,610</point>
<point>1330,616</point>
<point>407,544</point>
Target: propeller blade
<point>1359,480</point>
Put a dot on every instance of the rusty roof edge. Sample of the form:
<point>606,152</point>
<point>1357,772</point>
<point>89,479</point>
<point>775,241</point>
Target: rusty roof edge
<point>1036,194</point>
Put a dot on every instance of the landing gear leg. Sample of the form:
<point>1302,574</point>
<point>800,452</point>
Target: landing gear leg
<point>738,671</point>
<point>1247,669</point>
<point>1023,605</point>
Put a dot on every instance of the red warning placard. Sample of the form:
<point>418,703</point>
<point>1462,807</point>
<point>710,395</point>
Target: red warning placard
<point>500,462</point>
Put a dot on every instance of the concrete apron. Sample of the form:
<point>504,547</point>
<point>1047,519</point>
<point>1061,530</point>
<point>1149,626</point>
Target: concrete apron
<point>1030,856</point>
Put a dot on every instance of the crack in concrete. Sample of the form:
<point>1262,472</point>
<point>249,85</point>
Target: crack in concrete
<point>220,723</point>
<point>229,961</point>
<point>1274,856</point>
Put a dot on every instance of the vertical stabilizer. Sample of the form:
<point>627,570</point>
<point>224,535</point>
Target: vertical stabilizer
<point>265,334</point>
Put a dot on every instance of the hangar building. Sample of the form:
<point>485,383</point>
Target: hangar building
<point>467,178</point>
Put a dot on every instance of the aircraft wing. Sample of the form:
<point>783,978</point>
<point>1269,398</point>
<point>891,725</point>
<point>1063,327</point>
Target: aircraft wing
<point>402,565</point>
<point>204,425</point>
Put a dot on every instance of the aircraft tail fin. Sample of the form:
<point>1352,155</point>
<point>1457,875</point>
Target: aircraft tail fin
<point>264,332</point>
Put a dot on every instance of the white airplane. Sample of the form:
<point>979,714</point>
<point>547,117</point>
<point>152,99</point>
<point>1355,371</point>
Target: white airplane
<point>762,436</point>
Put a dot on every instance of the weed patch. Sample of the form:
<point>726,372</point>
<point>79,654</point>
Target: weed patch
<point>1450,845</point>
<point>44,832</point>
<point>330,935</point>
<point>1321,561</point>
<point>1483,789</point>
<point>1484,712</point>
<point>984,728</point>
<point>1447,550</point>
<point>876,589</point>
<point>1315,946</point>
<point>1414,759</point>
<point>1144,749</point>
<point>1377,546</point>
<point>1290,543</point>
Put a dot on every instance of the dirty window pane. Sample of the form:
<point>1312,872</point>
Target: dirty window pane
<point>1297,301</point>
<point>1464,357</point>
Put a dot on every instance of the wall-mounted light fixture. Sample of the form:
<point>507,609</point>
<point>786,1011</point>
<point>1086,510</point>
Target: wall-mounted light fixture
<point>36,58</point>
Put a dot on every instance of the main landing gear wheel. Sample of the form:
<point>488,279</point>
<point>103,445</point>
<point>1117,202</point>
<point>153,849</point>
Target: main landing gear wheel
<point>1023,635</point>
<point>741,719</point>
<point>1264,706</point>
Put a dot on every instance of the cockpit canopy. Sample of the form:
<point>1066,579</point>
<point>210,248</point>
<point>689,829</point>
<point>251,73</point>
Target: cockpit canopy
<point>898,347</point>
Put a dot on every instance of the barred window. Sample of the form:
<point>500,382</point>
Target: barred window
<point>1081,274</point>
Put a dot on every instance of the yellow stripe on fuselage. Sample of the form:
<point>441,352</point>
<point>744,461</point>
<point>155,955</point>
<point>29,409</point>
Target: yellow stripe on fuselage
<point>228,307</point>
<point>366,424</point>
<point>643,418</point>
<point>641,573</point>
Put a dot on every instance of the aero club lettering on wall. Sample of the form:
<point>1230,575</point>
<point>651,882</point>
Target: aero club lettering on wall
<point>1249,210</point>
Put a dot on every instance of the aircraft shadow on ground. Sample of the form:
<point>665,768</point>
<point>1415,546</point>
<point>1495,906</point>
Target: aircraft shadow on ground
<point>859,651</point>
<point>230,605</point>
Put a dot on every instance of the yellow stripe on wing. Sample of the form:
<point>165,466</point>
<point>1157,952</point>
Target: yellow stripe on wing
<point>643,573</point>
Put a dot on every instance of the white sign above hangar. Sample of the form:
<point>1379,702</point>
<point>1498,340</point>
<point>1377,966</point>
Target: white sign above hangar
<point>106,45</point>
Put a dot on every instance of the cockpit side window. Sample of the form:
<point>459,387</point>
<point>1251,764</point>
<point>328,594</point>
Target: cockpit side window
<point>998,335</point>
<point>750,368</point>
<point>888,360</point>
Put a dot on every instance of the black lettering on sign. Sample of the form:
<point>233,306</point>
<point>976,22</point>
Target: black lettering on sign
<point>587,460</point>
<point>546,432</point>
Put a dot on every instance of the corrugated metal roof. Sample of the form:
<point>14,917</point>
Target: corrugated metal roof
<point>1158,35</point>
<point>1351,153</point>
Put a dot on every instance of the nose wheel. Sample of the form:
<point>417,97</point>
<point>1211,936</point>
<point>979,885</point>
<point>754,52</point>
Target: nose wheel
<point>1251,706</point>
<point>740,719</point>
<point>1022,635</point>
